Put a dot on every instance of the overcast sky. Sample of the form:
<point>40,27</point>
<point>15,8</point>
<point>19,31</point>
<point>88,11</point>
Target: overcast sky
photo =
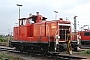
<point>65,8</point>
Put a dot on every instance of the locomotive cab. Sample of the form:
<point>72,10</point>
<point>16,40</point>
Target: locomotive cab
<point>36,18</point>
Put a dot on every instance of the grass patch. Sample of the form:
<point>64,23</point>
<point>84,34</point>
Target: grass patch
<point>86,52</point>
<point>3,40</point>
<point>4,56</point>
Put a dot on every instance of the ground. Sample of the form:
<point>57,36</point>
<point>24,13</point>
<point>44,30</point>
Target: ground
<point>5,55</point>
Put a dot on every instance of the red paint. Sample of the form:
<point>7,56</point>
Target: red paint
<point>83,37</point>
<point>16,33</point>
<point>38,31</point>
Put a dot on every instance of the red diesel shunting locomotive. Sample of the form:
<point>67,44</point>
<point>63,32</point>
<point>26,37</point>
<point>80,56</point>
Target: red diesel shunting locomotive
<point>35,34</point>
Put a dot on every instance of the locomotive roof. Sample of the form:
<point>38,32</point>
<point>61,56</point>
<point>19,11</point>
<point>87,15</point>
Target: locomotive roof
<point>22,18</point>
<point>84,31</point>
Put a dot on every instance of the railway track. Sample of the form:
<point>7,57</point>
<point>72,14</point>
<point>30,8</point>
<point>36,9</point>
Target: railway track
<point>85,46</point>
<point>67,57</point>
<point>57,56</point>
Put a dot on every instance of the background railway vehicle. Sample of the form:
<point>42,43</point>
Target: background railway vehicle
<point>35,34</point>
<point>85,37</point>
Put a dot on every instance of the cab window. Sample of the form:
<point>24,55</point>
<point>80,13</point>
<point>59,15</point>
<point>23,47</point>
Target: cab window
<point>22,22</point>
<point>86,33</point>
<point>30,20</point>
